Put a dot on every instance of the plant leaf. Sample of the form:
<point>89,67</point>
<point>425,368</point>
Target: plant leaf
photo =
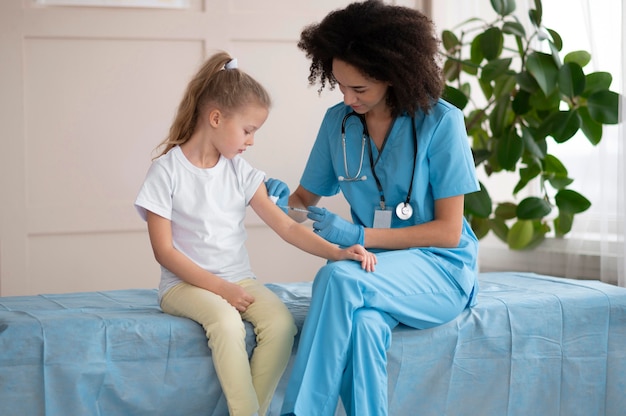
<point>480,226</point>
<point>597,81</point>
<point>506,210</point>
<point>486,88</point>
<point>514,28</point>
<point>526,175</point>
<point>533,208</point>
<point>520,235</point>
<point>563,223</point>
<point>591,128</point>
<point>499,117</point>
<point>527,82</point>
<point>499,228</point>
<point>509,151</point>
<point>476,53</point>
<point>542,103</point>
<point>540,230</point>
<point>571,202</point>
<point>491,43</point>
<point>542,67</point>
<point>556,41</point>
<point>479,203</point>
<point>531,145</point>
<point>505,84</point>
<point>494,69</point>
<point>451,69</point>
<point>603,107</point>
<point>553,165</point>
<point>582,58</point>
<point>455,97</point>
<point>521,102</point>
<point>469,67</point>
<point>535,14</point>
<point>560,182</point>
<point>450,41</point>
<point>564,125</point>
<point>571,79</point>
<point>503,7</point>
<point>534,17</point>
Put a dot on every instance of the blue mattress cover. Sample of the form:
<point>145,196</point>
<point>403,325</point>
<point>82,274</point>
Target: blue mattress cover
<point>532,345</point>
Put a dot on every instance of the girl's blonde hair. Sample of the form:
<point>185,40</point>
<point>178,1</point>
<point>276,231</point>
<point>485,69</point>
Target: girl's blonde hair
<point>226,89</point>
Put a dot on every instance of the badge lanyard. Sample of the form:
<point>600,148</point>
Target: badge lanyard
<point>404,211</point>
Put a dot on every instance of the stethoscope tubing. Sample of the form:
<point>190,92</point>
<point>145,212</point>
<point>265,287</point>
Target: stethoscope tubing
<point>404,211</point>
<point>364,136</point>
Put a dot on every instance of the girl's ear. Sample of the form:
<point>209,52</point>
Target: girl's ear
<point>215,117</point>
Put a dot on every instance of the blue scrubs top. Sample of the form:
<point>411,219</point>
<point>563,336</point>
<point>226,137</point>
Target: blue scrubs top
<point>444,167</point>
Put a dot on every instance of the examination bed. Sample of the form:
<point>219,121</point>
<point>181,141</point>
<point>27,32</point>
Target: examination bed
<point>533,345</point>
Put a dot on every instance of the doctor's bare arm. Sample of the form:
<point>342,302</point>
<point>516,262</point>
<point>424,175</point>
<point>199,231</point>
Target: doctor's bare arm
<point>444,231</point>
<point>301,198</point>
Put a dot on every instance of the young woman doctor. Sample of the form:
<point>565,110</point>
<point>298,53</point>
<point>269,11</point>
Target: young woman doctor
<point>403,166</point>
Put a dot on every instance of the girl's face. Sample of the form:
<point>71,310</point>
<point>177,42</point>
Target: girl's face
<point>235,130</point>
<point>359,91</point>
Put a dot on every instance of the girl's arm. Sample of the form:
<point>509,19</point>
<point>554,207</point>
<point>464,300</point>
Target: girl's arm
<point>160,231</point>
<point>304,238</point>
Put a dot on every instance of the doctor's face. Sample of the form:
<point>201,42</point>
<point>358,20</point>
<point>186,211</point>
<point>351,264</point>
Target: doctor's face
<point>359,91</point>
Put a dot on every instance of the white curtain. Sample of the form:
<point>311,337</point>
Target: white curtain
<point>597,238</point>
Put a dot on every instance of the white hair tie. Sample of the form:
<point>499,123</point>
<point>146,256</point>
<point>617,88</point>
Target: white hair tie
<point>232,64</point>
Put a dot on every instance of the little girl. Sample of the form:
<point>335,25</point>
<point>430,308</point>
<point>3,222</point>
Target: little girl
<point>194,200</point>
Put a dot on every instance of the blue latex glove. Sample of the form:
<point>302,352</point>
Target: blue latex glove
<point>335,229</point>
<point>279,190</point>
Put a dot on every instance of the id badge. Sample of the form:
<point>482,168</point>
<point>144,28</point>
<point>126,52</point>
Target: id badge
<point>382,218</point>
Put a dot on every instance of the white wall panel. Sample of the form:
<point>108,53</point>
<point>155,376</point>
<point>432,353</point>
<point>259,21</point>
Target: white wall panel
<point>94,110</point>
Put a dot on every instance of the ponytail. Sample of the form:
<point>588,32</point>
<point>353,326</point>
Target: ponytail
<point>216,83</point>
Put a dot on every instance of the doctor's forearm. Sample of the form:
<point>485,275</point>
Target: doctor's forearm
<point>435,233</point>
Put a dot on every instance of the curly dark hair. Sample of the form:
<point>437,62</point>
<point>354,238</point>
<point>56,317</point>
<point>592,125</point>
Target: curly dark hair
<point>388,43</point>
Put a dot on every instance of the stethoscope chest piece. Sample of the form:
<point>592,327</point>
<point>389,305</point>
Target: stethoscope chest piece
<point>404,211</point>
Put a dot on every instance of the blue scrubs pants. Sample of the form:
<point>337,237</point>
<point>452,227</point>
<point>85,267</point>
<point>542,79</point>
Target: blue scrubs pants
<point>344,341</point>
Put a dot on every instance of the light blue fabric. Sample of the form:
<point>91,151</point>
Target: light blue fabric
<point>533,345</point>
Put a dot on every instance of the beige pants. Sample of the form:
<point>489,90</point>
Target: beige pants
<point>247,386</point>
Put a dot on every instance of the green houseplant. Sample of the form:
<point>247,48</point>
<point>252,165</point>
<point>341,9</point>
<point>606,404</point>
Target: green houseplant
<point>515,98</point>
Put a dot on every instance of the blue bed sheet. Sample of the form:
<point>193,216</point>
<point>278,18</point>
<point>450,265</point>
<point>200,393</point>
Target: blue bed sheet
<point>533,345</point>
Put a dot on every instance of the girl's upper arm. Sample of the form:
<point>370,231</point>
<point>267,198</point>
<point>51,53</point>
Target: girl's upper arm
<point>160,232</point>
<point>266,209</point>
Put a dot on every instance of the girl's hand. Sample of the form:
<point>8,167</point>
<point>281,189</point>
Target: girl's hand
<point>358,253</point>
<point>236,296</point>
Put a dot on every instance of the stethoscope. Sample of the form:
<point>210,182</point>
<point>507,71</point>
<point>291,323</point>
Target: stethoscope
<point>404,211</point>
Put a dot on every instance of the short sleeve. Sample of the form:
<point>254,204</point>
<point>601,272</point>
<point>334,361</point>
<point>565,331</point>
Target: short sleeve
<point>453,171</point>
<point>250,178</point>
<point>155,194</point>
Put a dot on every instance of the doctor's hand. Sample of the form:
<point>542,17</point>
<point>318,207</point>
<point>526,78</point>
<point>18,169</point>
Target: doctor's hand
<point>335,229</point>
<point>279,191</point>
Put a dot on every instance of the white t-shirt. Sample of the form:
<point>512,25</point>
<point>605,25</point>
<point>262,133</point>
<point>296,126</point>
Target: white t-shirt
<point>206,207</point>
